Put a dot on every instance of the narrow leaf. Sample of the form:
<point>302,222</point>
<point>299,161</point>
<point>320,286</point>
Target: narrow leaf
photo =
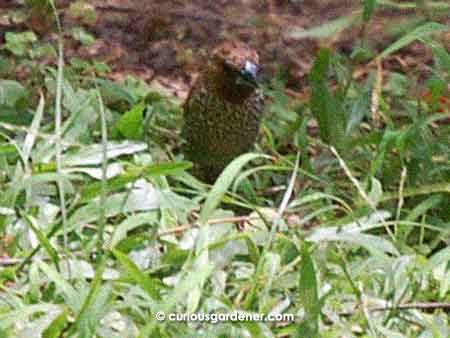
<point>223,183</point>
<point>45,243</point>
<point>325,30</point>
<point>149,285</point>
<point>55,329</point>
<point>418,33</point>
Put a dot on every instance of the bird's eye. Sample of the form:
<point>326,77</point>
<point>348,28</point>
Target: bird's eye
<point>228,65</point>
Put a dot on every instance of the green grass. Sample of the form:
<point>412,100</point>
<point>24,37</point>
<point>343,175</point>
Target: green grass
<point>102,227</point>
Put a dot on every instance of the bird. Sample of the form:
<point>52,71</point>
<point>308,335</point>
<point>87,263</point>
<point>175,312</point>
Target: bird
<point>223,110</point>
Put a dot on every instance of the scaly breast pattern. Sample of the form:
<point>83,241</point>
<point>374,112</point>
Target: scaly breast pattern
<point>217,130</point>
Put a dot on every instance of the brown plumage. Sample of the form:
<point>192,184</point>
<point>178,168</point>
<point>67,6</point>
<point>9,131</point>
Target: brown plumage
<point>223,111</point>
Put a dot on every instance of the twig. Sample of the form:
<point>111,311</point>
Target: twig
<point>301,96</point>
<point>353,180</point>
<point>10,261</point>
<point>376,93</point>
<point>187,226</point>
<point>359,188</point>
<point>401,199</point>
<point>408,306</point>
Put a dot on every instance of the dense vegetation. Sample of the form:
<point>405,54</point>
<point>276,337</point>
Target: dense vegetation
<point>340,216</point>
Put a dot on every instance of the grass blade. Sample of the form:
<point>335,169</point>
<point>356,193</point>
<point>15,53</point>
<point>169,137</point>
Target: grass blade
<point>223,183</point>
<point>417,34</point>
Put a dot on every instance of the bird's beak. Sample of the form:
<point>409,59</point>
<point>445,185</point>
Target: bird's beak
<point>251,73</point>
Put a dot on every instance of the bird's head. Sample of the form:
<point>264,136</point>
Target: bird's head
<point>238,63</point>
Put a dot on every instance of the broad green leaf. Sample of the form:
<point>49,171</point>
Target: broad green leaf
<point>94,189</point>
<point>84,37</point>
<point>326,108</point>
<point>11,115</point>
<point>46,178</point>
<point>114,92</point>
<point>9,318</point>
<point>143,197</point>
<point>19,43</point>
<point>83,11</point>
<point>309,296</point>
<point>12,93</point>
<point>353,233</point>
<point>131,123</point>
<point>6,66</point>
<point>93,154</point>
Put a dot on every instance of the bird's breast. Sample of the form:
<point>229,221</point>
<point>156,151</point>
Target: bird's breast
<point>217,130</point>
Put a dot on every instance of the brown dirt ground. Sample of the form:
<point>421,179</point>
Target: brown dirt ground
<point>168,41</point>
